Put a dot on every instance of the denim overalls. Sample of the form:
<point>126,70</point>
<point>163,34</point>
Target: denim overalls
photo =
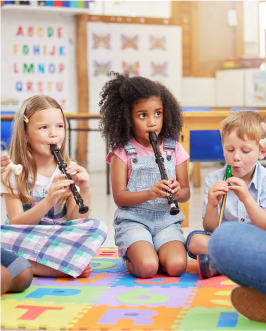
<point>149,221</point>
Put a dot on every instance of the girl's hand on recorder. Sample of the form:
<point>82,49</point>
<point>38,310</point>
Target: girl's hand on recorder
<point>159,190</point>
<point>58,188</point>
<point>80,176</point>
<point>174,186</point>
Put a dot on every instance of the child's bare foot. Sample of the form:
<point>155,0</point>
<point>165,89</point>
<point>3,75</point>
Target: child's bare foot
<point>86,272</point>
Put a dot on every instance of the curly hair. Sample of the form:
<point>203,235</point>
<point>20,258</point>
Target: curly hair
<point>117,99</point>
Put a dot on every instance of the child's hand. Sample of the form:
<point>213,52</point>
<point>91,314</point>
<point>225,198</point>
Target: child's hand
<point>240,188</point>
<point>159,190</point>
<point>81,177</point>
<point>5,160</point>
<point>58,188</point>
<point>174,185</point>
<point>216,192</point>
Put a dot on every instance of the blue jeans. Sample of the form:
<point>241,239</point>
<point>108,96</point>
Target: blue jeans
<point>239,252</point>
<point>15,264</point>
<point>189,238</point>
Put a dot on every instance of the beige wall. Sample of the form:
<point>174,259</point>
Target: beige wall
<point>216,39</point>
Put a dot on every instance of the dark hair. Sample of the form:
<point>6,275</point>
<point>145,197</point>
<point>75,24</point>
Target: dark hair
<point>117,99</point>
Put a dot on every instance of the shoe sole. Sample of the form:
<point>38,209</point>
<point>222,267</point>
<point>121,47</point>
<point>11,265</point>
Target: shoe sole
<point>199,267</point>
<point>250,303</point>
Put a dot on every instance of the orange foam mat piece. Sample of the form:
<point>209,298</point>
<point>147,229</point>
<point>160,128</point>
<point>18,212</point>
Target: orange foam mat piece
<point>192,266</point>
<point>127,318</point>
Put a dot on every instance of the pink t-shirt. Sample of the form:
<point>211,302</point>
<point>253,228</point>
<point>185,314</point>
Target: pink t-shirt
<point>180,155</point>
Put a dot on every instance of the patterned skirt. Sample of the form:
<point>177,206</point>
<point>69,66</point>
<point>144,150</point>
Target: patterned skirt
<point>67,247</point>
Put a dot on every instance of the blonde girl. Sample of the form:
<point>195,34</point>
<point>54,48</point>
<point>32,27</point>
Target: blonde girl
<point>43,221</point>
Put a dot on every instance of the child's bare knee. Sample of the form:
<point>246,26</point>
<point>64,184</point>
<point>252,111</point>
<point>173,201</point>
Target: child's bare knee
<point>6,279</point>
<point>148,268</point>
<point>27,277</point>
<point>22,281</point>
<point>177,267</point>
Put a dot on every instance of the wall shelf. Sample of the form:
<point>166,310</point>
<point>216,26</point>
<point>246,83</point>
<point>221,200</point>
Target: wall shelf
<point>44,9</point>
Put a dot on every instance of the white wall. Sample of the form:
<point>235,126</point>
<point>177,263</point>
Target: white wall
<point>230,88</point>
<point>251,28</point>
<point>198,92</point>
<point>161,9</point>
<point>262,29</point>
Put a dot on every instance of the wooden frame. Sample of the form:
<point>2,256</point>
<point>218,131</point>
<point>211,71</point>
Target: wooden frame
<point>82,85</point>
<point>130,20</point>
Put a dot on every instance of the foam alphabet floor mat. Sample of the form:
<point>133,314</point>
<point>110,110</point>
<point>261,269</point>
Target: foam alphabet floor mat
<point>112,299</point>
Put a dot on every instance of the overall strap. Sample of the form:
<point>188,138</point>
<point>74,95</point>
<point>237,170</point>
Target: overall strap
<point>169,144</point>
<point>130,149</point>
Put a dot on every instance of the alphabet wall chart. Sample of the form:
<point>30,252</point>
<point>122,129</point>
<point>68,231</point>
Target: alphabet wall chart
<point>40,61</point>
<point>152,51</point>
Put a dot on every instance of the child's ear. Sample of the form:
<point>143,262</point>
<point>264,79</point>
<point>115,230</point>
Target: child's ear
<point>262,154</point>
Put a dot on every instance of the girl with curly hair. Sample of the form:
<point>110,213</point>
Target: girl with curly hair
<point>146,234</point>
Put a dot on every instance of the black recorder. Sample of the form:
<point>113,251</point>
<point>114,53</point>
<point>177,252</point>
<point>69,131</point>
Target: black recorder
<point>62,166</point>
<point>174,208</point>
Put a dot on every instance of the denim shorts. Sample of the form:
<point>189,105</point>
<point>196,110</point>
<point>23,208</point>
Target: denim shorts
<point>189,237</point>
<point>15,264</point>
<point>140,224</point>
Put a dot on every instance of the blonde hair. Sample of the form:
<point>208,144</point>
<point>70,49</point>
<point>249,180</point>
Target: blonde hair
<point>20,150</point>
<point>246,123</point>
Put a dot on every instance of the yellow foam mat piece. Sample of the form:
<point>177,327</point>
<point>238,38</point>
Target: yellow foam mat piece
<point>33,316</point>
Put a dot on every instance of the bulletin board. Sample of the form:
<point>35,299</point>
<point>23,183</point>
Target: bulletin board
<point>148,50</point>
